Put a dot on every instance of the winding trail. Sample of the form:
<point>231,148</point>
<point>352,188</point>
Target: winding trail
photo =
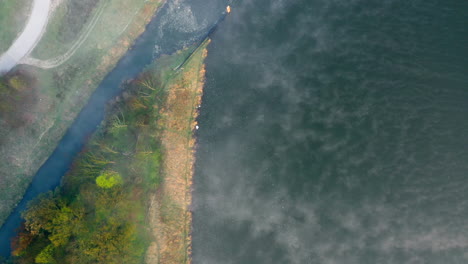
<point>29,38</point>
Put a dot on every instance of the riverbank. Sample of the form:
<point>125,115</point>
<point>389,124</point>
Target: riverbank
<point>60,93</point>
<point>169,212</point>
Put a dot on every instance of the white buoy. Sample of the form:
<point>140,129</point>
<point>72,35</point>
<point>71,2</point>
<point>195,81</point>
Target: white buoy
<point>196,127</point>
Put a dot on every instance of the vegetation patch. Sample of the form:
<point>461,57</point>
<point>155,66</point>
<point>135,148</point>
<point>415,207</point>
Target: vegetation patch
<point>102,212</point>
<point>98,215</point>
<point>17,96</point>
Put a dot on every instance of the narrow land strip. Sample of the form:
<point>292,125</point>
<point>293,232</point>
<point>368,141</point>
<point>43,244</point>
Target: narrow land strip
<point>170,217</point>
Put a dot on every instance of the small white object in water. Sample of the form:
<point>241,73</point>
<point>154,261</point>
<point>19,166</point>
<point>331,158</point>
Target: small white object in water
<point>196,127</point>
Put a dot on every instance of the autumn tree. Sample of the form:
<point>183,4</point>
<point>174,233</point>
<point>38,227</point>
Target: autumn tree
<point>53,215</point>
<point>46,255</point>
<point>108,179</point>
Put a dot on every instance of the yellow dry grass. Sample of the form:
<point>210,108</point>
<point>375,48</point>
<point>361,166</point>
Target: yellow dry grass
<point>169,212</point>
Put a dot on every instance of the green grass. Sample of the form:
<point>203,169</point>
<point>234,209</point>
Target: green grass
<point>70,19</point>
<point>13,17</point>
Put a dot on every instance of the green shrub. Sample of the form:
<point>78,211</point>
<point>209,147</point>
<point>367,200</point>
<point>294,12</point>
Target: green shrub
<point>108,179</point>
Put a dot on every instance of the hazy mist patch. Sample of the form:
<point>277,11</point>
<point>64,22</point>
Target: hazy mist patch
<point>319,155</point>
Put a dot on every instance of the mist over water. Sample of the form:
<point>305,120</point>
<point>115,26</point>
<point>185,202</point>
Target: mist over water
<point>335,132</point>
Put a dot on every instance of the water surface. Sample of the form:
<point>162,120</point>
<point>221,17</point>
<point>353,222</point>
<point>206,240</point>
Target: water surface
<point>335,132</point>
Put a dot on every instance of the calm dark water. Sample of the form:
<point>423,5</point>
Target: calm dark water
<point>178,24</point>
<point>335,131</point>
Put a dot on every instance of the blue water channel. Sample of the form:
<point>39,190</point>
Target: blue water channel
<point>170,30</point>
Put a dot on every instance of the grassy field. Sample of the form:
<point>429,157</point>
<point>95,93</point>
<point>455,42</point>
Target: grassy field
<point>61,92</point>
<point>13,17</point>
<point>129,190</point>
<point>70,19</point>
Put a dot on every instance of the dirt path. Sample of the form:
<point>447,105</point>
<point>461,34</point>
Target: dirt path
<point>170,215</point>
<point>28,38</point>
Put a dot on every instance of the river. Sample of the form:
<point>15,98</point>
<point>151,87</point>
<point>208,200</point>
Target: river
<point>178,24</point>
<point>334,131</point>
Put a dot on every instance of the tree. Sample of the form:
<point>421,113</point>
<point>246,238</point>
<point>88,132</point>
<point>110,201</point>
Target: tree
<point>55,216</point>
<point>108,179</point>
<point>21,242</point>
<point>111,242</point>
<point>40,213</point>
<point>17,83</point>
<point>46,255</point>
